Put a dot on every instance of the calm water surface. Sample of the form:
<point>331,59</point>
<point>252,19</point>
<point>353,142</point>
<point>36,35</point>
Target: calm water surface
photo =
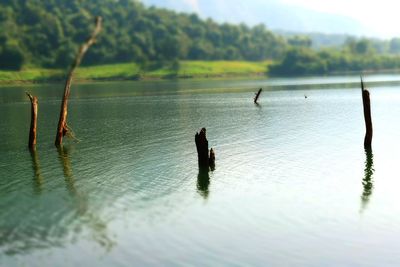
<point>292,186</point>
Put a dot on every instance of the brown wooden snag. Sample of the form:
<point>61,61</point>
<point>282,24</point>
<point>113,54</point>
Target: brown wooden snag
<point>206,158</point>
<point>202,148</point>
<point>211,159</point>
<point>63,128</point>
<point>33,128</point>
<point>257,95</point>
<point>367,117</point>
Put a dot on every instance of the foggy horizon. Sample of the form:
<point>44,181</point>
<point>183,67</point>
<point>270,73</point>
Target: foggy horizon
<point>353,17</point>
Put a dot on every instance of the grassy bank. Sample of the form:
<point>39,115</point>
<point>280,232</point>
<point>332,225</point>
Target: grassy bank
<point>132,71</point>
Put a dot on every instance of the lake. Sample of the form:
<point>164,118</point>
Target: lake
<point>293,185</point>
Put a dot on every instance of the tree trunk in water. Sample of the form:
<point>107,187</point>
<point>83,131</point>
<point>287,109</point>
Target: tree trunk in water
<point>211,160</point>
<point>32,131</point>
<point>367,117</point>
<point>257,96</point>
<point>62,128</point>
<point>206,159</point>
<point>202,149</point>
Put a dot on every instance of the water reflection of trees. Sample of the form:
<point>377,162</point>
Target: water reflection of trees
<point>367,181</point>
<point>48,218</point>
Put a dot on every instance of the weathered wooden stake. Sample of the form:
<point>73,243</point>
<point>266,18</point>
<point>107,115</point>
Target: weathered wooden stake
<point>367,116</point>
<point>202,148</point>
<point>257,95</point>
<point>206,160</point>
<point>211,159</point>
<point>32,131</point>
<point>63,128</point>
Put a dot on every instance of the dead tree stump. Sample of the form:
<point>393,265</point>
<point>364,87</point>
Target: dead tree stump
<point>211,159</point>
<point>202,148</point>
<point>206,159</point>
<point>257,96</point>
<point>367,116</point>
<point>32,131</point>
<point>63,128</point>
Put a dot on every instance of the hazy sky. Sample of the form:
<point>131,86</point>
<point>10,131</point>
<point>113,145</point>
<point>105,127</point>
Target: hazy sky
<point>382,16</point>
<point>361,17</point>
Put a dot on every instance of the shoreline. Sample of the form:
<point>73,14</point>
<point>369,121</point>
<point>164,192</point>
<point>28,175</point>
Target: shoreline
<point>143,78</point>
<point>190,70</point>
<point>133,72</point>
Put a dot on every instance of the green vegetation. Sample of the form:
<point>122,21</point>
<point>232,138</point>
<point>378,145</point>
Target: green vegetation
<point>133,71</point>
<point>356,55</point>
<point>38,41</point>
<point>47,34</point>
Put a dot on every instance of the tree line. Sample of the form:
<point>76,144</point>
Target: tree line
<point>355,55</point>
<point>47,34</point>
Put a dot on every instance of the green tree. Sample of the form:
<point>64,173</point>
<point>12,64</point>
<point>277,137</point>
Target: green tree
<point>394,46</point>
<point>300,61</point>
<point>11,57</point>
<point>300,41</point>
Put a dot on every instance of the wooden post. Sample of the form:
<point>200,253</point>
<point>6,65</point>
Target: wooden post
<point>367,116</point>
<point>206,159</point>
<point>211,159</point>
<point>32,131</point>
<point>257,95</point>
<point>202,148</point>
<point>63,128</point>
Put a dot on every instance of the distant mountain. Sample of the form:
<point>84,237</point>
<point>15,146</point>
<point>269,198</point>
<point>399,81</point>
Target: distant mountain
<point>273,13</point>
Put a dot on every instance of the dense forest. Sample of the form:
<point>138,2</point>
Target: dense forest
<point>37,33</point>
<point>46,33</point>
<point>354,55</point>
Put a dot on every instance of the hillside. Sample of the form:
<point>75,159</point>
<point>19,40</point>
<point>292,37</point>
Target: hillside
<point>47,34</point>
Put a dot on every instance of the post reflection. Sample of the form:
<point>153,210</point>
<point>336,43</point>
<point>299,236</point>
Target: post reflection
<point>368,179</point>
<point>92,219</point>
<point>203,181</point>
<point>38,178</point>
<point>64,156</point>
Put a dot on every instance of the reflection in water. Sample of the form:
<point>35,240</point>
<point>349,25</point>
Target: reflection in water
<point>94,222</point>
<point>368,178</point>
<point>38,178</point>
<point>32,224</point>
<point>203,181</point>
<point>63,153</point>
